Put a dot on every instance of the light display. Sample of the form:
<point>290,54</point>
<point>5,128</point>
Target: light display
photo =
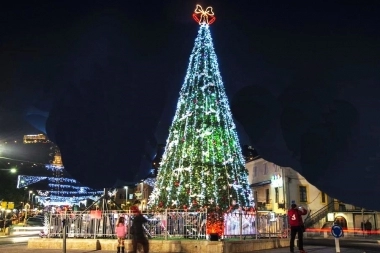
<point>150,181</point>
<point>204,16</point>
<point>62,190</point>
<point>24,181</point>
<point>202,165</point>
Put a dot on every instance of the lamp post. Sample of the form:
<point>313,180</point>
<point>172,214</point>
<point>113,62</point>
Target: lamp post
<point>33,199</point>
<point>11,170</point>
<point>142,195</point>
<point>126,196</point>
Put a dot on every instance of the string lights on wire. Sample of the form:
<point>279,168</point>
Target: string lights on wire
<point>202,165</point>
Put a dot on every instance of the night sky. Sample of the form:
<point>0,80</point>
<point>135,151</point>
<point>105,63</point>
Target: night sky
<point>102,79</point>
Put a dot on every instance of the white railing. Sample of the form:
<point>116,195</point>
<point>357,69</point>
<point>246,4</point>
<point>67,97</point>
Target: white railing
<point>165,224</point>
<point>243,224</point>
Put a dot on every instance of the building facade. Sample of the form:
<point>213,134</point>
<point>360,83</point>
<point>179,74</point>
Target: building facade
<point>136,194</point>
<point>275,188</point>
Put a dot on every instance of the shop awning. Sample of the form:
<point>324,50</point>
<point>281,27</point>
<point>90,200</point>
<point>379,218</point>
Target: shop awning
<point>261,183</point>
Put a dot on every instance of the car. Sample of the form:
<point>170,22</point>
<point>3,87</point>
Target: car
<point>34,222</point>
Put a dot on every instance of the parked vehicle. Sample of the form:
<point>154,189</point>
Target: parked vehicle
<point>33,222</point>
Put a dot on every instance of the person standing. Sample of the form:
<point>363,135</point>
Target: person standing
<point>120,231</point>
<point>137,230</point>
<point>368,227</point>
<point>296,226</point>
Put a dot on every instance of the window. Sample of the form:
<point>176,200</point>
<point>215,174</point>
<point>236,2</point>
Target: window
<point>323,197</point>
<point>255,171</point>
<point>276,168</point>
<point>267,199</point>
<point>265,169</point>
<point>276,196</point>
<point>303,193</point>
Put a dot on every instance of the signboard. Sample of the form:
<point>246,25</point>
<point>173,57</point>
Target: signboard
<point>337,231</point>
<point>4,204</point>
<point>277,181</point>
<point>11,205</point>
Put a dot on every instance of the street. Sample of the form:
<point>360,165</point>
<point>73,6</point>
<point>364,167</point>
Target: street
<point>21,247</point>
<point>16,239</point>
<point>362,245</point>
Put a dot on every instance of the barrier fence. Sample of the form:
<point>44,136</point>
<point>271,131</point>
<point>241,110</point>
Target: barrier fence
<point>166,224</point>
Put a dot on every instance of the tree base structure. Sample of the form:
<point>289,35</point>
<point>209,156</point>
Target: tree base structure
<point>164,246</point>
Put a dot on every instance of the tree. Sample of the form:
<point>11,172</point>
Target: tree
<point>8,188</point>
<point>202,164</point>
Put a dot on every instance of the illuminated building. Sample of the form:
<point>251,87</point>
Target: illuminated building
<point>35,138</point>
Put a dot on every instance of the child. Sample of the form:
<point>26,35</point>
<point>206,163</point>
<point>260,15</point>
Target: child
<point>120,231</point>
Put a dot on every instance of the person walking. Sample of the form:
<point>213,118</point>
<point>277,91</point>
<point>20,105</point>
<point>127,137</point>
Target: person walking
<point>296,226</point>
<point>120,231</point>
<point>137,230</point>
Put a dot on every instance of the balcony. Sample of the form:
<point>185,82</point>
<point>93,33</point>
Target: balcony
<point>262,206</point>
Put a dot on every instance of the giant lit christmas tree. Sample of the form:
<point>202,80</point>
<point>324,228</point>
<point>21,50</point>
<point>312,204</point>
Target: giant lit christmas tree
<point>202,165</point>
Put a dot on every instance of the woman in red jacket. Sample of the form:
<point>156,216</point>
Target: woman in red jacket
<point>296,226</point>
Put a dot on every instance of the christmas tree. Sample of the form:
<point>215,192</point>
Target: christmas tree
<point>202,165</point>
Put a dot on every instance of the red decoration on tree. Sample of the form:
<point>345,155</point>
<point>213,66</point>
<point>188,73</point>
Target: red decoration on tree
<point>176,183</point>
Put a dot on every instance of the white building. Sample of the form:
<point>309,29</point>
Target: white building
<point>275,188</point>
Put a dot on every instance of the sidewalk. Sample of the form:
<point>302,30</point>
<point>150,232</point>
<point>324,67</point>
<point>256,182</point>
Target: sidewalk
<point>309,249</point>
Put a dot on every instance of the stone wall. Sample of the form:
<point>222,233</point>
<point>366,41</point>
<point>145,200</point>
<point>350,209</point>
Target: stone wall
<point>162,246</point>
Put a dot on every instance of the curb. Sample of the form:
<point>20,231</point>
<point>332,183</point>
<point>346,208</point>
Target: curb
<point>352,240</point>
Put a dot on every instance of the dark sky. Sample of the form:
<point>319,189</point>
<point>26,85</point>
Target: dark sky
<point>105,75</point>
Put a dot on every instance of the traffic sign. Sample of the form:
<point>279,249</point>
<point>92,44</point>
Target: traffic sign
<point>337,231</point>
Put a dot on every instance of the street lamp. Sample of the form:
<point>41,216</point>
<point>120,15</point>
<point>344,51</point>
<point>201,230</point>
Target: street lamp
<point>126,195</point>
<point>30,192</point>
<point>11,170</point>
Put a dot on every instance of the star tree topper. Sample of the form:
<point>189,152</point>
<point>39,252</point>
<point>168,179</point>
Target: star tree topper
<point>204,16</point>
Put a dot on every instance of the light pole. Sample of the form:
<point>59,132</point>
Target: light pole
<point>33,199</point>
<point>126,196</point>
<point>142,195</point>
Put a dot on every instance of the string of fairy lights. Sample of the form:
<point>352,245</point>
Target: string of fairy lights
<point>202,164</point>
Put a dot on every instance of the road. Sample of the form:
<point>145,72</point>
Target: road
<point>311,245</point>
<point>364,245</point>
<point>15,239</point>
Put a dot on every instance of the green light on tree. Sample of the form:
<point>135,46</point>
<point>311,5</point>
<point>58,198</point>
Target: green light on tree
<point>202,165</point>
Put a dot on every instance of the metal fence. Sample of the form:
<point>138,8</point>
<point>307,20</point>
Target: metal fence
<point>165,225</point>
<point>255,225</point>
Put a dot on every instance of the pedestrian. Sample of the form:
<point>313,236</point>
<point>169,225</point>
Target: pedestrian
<point>138,231</point>
<point>368,227</point>
<point>120,231</point>
<point>296,226</point>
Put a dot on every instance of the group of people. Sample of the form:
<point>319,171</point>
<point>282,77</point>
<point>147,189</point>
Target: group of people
<point>136,230</point>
